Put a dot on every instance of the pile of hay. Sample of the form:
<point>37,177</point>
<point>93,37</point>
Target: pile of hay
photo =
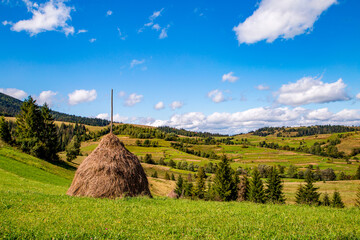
<point>110,171</point>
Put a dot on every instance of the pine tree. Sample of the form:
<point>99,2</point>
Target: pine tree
<point>357,175</point>
<point>5,134</point>
<point>172,177</point>
<point>224,184</point>
<point>357,200</point>
<point>243,189</point>
<point>337,201</point>
<point>154,175</point>
<point>200,183</point>
<point>256,189</point>
<point>188,189</point>
<point>274,192</point>
<point>179,186</point>
<point>326,200</point>
<point>49,134</point>
<point>167,177</point>
<point>308,194</point>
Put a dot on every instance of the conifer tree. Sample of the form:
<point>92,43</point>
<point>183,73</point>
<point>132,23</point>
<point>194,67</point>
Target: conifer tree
<point>225,185</point>
<point>5,134</point>
<point>172,177</point>
<point>200,183</point>
<point>167,177</point>
<point>49,134</point>
<point>256,190</point>
<point>179,186</point>
<point>243,189</point>
<point>308,194</point>
<point>326,200</point>
<point>155,175</point>
<point>357,175</point>
<point>274,192</point>
<point>337,201</point>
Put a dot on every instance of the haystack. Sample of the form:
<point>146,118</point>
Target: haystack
<point>110,171</point>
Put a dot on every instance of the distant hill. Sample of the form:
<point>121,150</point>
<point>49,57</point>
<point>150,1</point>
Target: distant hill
<point>10,107</point>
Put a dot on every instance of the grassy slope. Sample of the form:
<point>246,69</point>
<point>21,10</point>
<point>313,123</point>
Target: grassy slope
<point>33,204</point>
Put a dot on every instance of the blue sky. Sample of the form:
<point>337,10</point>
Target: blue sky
<point>214,66</point>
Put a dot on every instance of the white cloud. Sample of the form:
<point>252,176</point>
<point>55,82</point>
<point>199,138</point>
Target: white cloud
<point>176,105</point>
<point>104,116</point>
<point>262,87</point>
<point>80,96</point>
<point>46,97</point>
<point>116,118</point>
<point>82,31</point>
<point>216,96</point>
<point>109,13</point>
<point>50,16</point>
<point>281,19</point>
<point>155,15</point>
<point>133,99</point>
<point>13,92</point>
<point>92,40</point>
<point>136,62</point>
<point>163,33</point>
<point>156,27</point>
<point>358,96</point>
<point>6,23</point>
<point>121,35</point>
<point>122,94</point>
<point>311,90</point>
<point>159,106</point>
<point>229,77</point>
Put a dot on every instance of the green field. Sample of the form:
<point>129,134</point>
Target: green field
<point>34,205</point>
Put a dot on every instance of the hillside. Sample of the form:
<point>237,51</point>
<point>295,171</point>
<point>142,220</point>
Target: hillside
<point>10,107</point>
<point>34,205</point>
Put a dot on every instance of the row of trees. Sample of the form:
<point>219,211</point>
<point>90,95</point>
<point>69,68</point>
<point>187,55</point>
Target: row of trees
<point>186,149</point>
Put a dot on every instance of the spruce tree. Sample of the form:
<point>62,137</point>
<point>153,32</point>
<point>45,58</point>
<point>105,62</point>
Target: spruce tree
<point>172,177</point>
<point>49,134</point>
<point>179,186</point>
<point>243,189</point>
<point>200,183</point>
<point>5,134</point>
<point>308,194</point>
<point>274,191</point>
<point>225,185</point>
<point>357,175</point>
<point>167,177</point>
<point>154,175</point>
<point>337,201</point>
<point>326,200</point>
<point>256,190</point>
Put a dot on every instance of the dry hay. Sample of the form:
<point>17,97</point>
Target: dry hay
<point>110,171</point>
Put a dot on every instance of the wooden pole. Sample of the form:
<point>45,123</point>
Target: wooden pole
<point>111,125</point>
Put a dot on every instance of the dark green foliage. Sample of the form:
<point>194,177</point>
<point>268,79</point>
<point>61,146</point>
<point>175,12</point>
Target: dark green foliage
<point>148,159</point>
<point>326,200</point>
<point>172,177</point>
<point>225,182</point>
<point>337,201</point>
<point>179,186</point>
<point>184,132</point>
<point>256,189</point>
<point>292,171</point>
<point>328,175</point>
<point>357,175</point>
<point>357,200</point>
<point>243,189</point>
<point>200,183</point>
<point>188,189</point>
<point>167,177</point>
<point>274,191</point>
<point>73,149</point>
<point>36,131</point>
<point>5,134</point>
<point>154,175</point>
<point>307,194</point>
<point>171,163</point>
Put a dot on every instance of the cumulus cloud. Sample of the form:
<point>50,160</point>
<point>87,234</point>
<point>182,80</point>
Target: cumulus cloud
<point>229,77</point>
<point>81,96</point>
<point>281,19</point>
<point>133,99</point>
<point>109,13</point>
<point>358,96</point>
<point>13,92</point>
<point>117,117</point>
<point>136,62</point>
<point>176,105</point>
<point>311,90</point>
<point>46,97</point>
<point>251,119</point>
<point>49,16</point>
<point>262,87</point>
<point>159,106</point>
<point>216,96</point>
